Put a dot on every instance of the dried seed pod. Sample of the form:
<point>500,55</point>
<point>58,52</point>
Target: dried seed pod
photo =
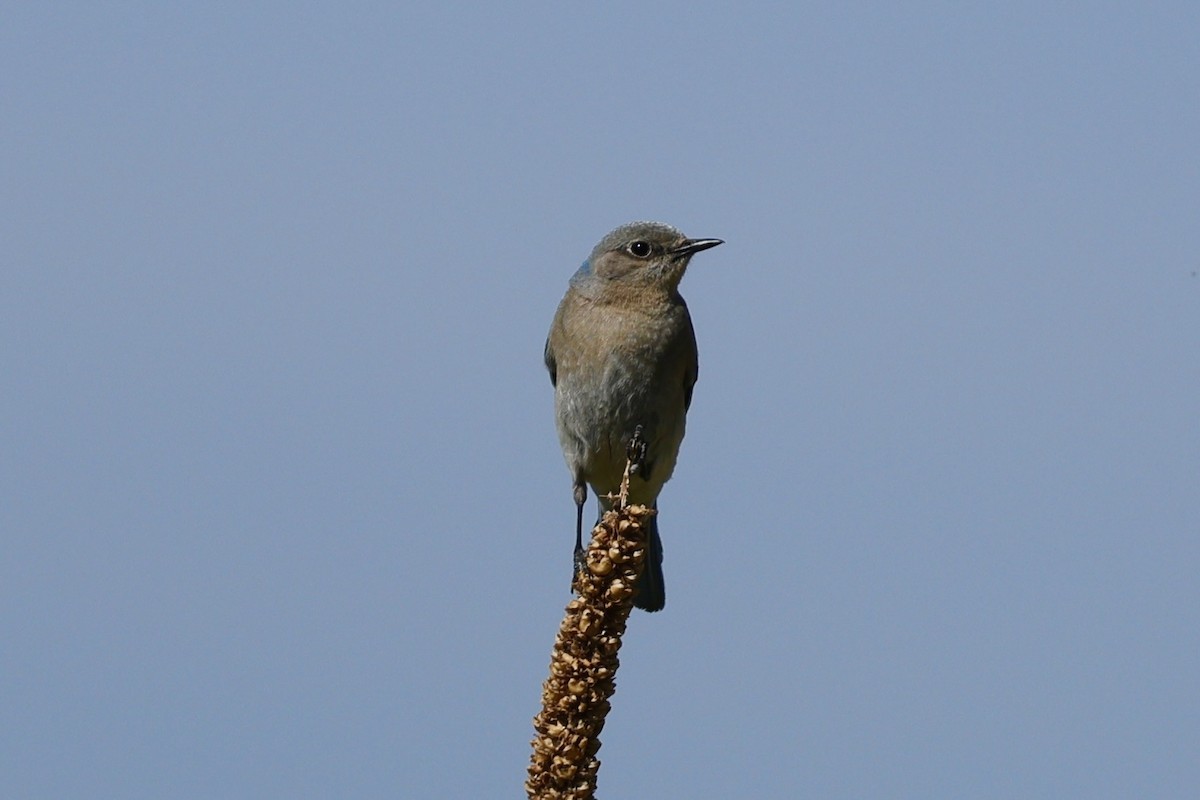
<point>601,566</point>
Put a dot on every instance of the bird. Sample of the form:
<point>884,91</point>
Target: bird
<point>622,358</point>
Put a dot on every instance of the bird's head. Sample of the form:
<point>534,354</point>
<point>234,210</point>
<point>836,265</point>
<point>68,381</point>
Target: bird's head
<point>642,254</point>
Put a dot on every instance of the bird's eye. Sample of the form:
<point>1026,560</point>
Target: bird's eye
<point>639,249</point>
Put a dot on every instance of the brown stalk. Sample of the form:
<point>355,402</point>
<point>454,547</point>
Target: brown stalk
<point>583,666</point>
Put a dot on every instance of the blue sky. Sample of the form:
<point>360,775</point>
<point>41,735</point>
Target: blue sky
<point>282,506</point>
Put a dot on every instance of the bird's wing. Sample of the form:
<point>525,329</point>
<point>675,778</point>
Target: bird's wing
<point>551,364</point>
<point>689,383</point>
<point>692,369</point>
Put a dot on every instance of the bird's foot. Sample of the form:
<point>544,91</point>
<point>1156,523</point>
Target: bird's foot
<point>579,562</point>
<point>636,451</point>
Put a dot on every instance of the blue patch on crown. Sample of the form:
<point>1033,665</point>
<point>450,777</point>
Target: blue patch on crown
<point>586,266</point>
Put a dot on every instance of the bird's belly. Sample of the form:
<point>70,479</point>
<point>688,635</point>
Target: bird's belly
<point>598,414</point>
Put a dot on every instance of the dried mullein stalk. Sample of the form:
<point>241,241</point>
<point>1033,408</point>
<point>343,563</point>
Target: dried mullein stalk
<point>583,667</point>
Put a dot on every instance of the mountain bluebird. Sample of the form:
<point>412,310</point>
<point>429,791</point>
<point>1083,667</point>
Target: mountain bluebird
<point>622,358</point>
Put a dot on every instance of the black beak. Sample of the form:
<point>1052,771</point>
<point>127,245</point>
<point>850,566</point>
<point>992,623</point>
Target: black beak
<point>690,246</point>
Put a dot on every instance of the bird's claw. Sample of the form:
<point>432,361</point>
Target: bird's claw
<point>636,452</point>
<point>579,561</point>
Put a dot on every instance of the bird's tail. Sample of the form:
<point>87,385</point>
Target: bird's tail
<point>651,591</point>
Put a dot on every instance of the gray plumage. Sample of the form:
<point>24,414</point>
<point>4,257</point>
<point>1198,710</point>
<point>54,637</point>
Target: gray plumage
<point>622,354</point>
